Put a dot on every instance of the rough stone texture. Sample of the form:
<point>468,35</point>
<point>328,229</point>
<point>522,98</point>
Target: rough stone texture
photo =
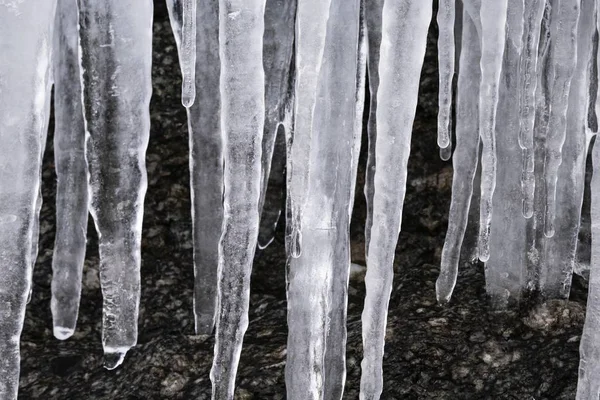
<point>462,351</point>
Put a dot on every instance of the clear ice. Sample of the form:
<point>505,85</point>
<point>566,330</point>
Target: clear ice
<point>275,92</point>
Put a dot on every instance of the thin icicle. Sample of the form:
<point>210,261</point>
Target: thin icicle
<point>373,10</point>
<point>311,27</point>
<point>71,173</point>
<point>205,158</point>
<point>533,13</point>
<point>116,54</point>
<point>465,158</point>
<point>182,14</point>
<point>493,22</point>
<point>26,30</point>
<point>278,50</point>
<point>446,58</point>
<point>404,36</point>
<point>242,122</point>
<point>564,60</point>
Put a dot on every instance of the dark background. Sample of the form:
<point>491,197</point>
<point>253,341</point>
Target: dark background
<point>462,351</point>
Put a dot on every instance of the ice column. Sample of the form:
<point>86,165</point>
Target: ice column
<point>71,172</point>
<point>278,49</point>
<point>26,29</point>
<point>241,28</point>
<point>206,159</point>
<point>116,57</point>
<point>318,278</point>
<point>465,157</point>
<point>404,36</point>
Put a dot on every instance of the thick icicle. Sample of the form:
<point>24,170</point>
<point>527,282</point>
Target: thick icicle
<point>318,279</point>
<point>532,16</point>
<point>278,49</point>
<point>404,36</point>
<point>563,59</point>
<point>493,22</point>
<point>373,10</point>
<point>206,160</point>
<point>241,28</point>
<point>446,58</point>
<point>465,156</point>
<point>505,270</point>
<point>182,14</point>
<point>560,251</point>
<point>71,172</point>
<point>26,41</point>
<point>588,386</point>
<point>116,56</point>
<point>311,27</point>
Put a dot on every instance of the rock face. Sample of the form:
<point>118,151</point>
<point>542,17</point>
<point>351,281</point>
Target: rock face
<point>461,351</point>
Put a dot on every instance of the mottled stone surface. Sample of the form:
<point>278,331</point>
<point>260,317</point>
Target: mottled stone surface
<point>463,351</point>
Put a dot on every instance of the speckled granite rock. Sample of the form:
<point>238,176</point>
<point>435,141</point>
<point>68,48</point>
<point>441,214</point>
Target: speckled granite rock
<point>462,351</point>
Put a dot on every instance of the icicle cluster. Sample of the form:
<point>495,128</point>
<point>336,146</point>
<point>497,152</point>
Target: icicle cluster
<point>274,92</point>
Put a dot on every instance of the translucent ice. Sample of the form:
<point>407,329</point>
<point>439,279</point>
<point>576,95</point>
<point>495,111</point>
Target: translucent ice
<point>71,172</point>
<point>26,29</point>
<point>116,54</point>
<point>242,121</point>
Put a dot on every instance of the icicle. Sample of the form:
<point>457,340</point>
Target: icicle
<point>493,22</point>
<point>25,29</point>
<point>560,250</point>
<point>465,156</point>
<point>588,386</point>
<point>311,26</point>
<point>404,35</point>
<point>564,58</point>
<point>318,278</point>
<point>71,172</point>
<point>373,17</point>
<point>533,13</point>
<point>277,60</point>
<point>206,159</point>
<point>116,55</point>
<point>182,14</point>
<point>445,20</point>
<point>242,122</point>
<point>505,268</point>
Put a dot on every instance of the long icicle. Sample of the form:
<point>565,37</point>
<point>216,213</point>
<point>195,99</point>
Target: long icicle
<point>311,28</point>
<point>493,22</point>
<point>242,123</point>
<point>25,67</point>
<point>71,174</point>
<point>278,49</point>
<point>404,36</point>
<point>205,157</point>
<point>116,56</point>
<point>465,159</point>
<point>373,10</point>
<point>564,60</point>
<point>533,13</point>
